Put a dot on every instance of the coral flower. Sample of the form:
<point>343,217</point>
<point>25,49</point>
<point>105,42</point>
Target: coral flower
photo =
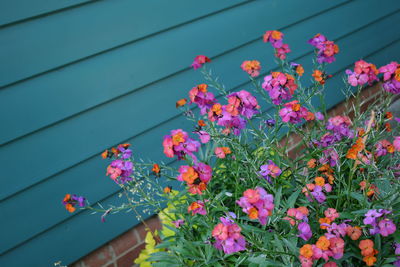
<point>221,152</point>
<point>252,67</point>
<point>369,260</point>
<point>156,168</point>
<point>353,232</point>
<point>323,221</point>
<point>197,207</point>
<point>220,231</point>
<point>331,214</point>
<point>251,195</point>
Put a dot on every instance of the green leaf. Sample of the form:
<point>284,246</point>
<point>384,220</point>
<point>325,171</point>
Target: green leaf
<point>278,197</point>
<point>292,199</point>
<point>357,196</point>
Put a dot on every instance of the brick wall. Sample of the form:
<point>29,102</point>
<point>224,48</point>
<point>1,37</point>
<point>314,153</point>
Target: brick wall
<point>122,251</point>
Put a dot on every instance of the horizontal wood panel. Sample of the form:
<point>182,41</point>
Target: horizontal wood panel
<point>89,177</point>
<point>92,233</point>
<point>93,135</point>
<point>16,10</point>
<point>72,89</point>
<point>52,41</point>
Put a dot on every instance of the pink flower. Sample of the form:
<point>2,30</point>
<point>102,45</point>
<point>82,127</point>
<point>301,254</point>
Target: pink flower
<point>221,152</point>
<point>199,61</point>
<point>242,103</point>
<point>396,143</point>
<point>306,262</point>
<point>227,236</point>
<point>202,98</point>
<point>326,50</point>
<point>257,204</point>
<point>386,227</point>
<point>204,136</point>
<point>178,223</point>
<point>363,73</point>
<point>337,247</point>
<point>180,144</point>
<point>331,213</point>
<point>330,264</point>
<point>391,77</point>
<point>220,232</point>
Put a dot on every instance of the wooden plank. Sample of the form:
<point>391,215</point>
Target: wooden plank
<point>12,11</point>
<point>88,178</point>
<point>107,76</point>
<point>91,232</point>
<point>36,46</point>
<point>87,134</point>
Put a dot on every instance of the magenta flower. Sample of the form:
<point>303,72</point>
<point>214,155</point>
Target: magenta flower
<point>391,77</point>
<point>202,98</point>
<point>293,112</point>
<point>329,156</point>
<point>318,194</point>
<point>319,116</point>
<point>326,50</point>
<point>280,86</point>
<point>383,147</point>
<point>363,73</point>
<point>304,231</point>
<point>340,126</point>
<point>178,143</point>
<point>242,103</point>
<point>227,236</point>
<point>396,143</point>
<point>197,207</point>
<point>371,216</point>
<point>258,204</point>
<point>199,61</point>
<point>231,123</point>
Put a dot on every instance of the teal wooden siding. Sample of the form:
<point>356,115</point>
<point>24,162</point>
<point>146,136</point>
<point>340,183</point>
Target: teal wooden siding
<point>78,76</point>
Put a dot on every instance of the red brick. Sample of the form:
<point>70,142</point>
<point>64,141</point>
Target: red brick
<point>98,257</point>
<point>127,259</point>
<point>124,242</point>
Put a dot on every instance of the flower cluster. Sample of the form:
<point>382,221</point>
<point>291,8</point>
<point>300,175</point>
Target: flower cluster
<point>326,49</point>
<point>383,147</point>
<point>221,152</point>
<point>380,224</point>
<point>363,73</point>
<point>252,67</point>
<point>391,77</point>
<point>199,61</point>
<point>280,86</point>
<point>196,177</point>
<point>71,201</point>
<point>270,170</point>
<point>257,204</point>
<point>368,252</point>
<point>323,248</point>
<point>299,215</point>
<point>200,96</point>
<point>197,207</point>
<point>180,144</point>
<point>276,40</point>
<point>293,112</point>
<point>227,236</point>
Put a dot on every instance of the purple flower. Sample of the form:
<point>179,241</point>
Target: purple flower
<point>204,136</point>
<point>80,200</point>
<point>126,152</point>
<point>330,156</point>
<point>178,223</point>
<point>318,194</point>
<point>319,116</point>
<point>304,231</point>
<point>370,217</point>
<point>270,122</point>
<point>270,170</point>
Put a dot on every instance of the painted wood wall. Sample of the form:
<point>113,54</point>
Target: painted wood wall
<point>79,76</point>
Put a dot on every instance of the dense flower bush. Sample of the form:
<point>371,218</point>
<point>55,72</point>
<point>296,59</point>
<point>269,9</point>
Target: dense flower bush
<point>239,199</point>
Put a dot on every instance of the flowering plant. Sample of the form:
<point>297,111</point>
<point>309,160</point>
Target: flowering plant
<point>243,200</point>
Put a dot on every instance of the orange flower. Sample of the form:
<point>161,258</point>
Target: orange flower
<point>114,151</point>
<point>367,247</point>
<point>353,232</point>
<point>181,102</point>
<point>277,35</point>
<point>156,168</point>
<point>303,210</point>
<point>306,251</point>
<point>296,107</point>
<point>369,260</point>
<point>330,178</point>
<point>324,220</point>
<point>319,181</point>
<point>167,189</point>
<point>217,109</point>
<point>323,243</point>
<point>312,163</point>
<point>355,149</point>
<point>69,207</point>
<point>253,213</point>
<point>104,155</point>
<point>310,116</point>
<point>397,74</point>
<point>325,168</point>
<point>190,175</point>
<point>201,123</point>
<point>318,76</point>
<point>178,138</point>
<point>300,70</point>
<point>202,87</point>
<point>67,197</point>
